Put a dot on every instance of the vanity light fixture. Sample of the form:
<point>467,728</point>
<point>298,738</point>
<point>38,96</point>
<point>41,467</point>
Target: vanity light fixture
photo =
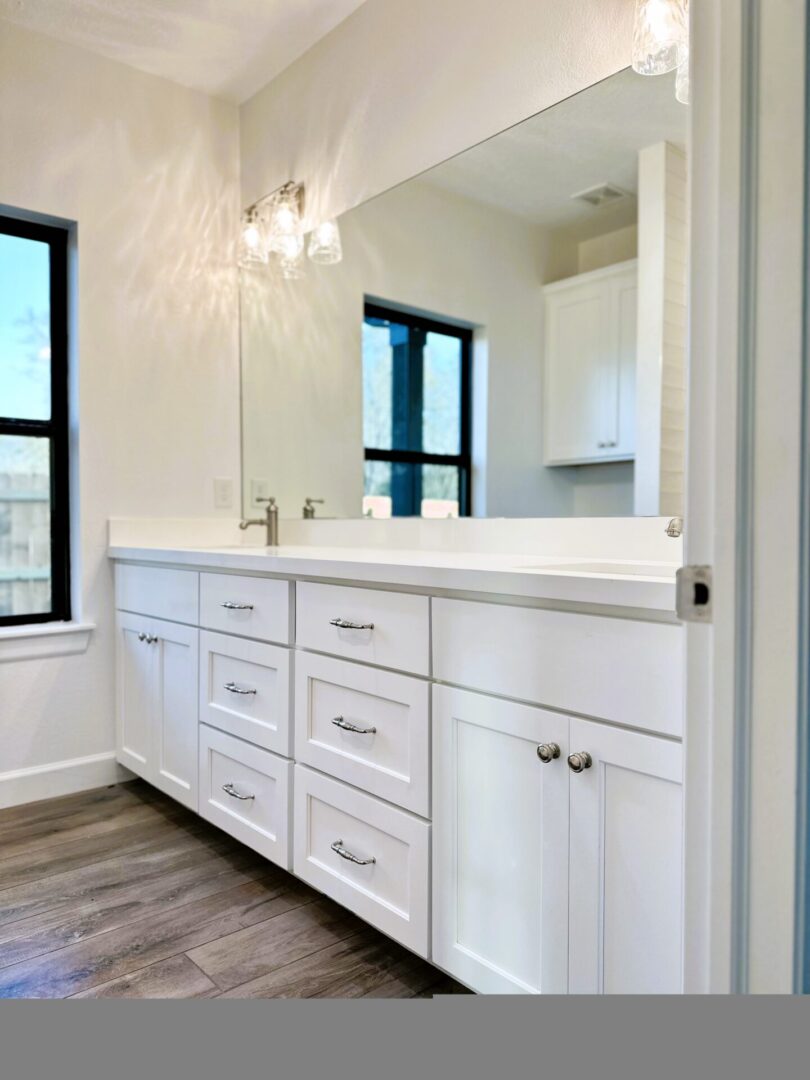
<point>324,244</point>
<point>661,41</point>
<point>252,241</point>
<point>284,235</point>
<point>274,225</point>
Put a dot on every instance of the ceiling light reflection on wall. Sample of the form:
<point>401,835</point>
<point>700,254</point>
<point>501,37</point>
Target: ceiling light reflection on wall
<point>682,82</point>
<point>660,36</point>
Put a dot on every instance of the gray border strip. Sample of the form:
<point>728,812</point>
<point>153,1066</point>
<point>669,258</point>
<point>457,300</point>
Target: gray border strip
<point>801,964</point>
<point>743,586</point>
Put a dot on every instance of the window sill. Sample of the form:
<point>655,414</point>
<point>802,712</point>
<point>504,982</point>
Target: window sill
<point>37,640</point>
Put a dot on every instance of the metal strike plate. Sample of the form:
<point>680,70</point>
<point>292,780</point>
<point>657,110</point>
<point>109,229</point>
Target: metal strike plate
<point>693,594</point>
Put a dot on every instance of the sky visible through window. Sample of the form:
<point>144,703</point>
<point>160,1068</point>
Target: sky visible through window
<point>24,329</point>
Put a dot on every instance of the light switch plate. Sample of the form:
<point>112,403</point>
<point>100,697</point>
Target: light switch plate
<point>223,492</point>
<point>259,489</point>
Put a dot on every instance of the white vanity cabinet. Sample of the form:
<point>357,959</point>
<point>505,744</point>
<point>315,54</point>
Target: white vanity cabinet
<point>500,835</point>
<point>157,703</point>
<point>625,877</point>
<point>407,754</point>
<point>590,367</point>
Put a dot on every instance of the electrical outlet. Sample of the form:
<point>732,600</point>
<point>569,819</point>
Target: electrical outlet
<point>259,489</point>
<point>223,492</point>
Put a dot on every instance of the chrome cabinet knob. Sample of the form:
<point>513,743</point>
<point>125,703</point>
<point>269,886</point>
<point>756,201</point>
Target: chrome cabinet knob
<point>548,751</point>
<point>142,636</point>
<point>580,762</point>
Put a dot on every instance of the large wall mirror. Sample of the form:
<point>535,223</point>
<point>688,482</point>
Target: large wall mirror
<point>505,335</point>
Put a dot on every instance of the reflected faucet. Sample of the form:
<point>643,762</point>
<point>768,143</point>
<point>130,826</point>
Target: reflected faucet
<point>309,508</point>
<point>270,520</point>
<point>675,527</point>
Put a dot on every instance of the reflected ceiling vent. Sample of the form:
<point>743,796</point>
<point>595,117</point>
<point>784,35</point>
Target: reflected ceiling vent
<point>602,195</point>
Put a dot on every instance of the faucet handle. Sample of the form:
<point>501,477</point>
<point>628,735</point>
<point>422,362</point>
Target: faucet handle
<point>261,499</point>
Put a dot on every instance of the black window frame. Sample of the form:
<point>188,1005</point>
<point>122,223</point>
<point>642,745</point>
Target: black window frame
<point>56,430</point>
<point>413,392</point>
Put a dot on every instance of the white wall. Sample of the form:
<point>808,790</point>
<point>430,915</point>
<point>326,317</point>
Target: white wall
<point>399,87</point>
<point>150,173</point>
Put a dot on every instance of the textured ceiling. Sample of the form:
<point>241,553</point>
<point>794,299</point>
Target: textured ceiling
<point>533,169</point>
<point>228,48</point>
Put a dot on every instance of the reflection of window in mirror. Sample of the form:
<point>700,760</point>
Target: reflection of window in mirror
<point>416,415</point>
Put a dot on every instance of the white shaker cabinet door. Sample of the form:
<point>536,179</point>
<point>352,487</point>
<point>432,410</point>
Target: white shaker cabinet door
<point>175,710</point>
<point>135,689</point>
<point>500,855</point>
<point>625,862</point>
<point>157,703</point>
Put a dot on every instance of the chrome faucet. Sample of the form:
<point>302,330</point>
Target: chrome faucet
<point>675,527</point>
<point>270,520</point>
<point>309,508</point>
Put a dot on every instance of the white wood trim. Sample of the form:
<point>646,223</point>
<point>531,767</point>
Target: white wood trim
<point>38,640</point>
<point>19,786</point>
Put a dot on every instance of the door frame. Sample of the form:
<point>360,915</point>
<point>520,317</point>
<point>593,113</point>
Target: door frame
<point>742,511</point>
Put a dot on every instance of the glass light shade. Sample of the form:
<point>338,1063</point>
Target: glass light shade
<point>660,36</point>
<point>252,242</point>
<point>324,244</point>
<point>285,224</point>
<point>682,82</point>
<point>292,264</point>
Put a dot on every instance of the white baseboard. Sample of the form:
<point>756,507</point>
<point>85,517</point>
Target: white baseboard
<point>60,778</point>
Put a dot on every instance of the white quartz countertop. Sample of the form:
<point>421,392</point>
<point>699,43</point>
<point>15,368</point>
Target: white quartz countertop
<point>645,586</point>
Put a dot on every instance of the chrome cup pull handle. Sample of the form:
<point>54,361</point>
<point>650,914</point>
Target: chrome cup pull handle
<point>344,853</point>
<point>232,688</point>
<point>229,789</point>
<point>233,605</point>
<point>347,624</point>
<point>347,725</point>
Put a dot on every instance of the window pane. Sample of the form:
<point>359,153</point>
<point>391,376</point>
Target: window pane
<point>441,413</point>
<point>25,332</point>
<point>440,494</point>
<point>377,490</point>
<point>25,526</point>
<point>378,361</point>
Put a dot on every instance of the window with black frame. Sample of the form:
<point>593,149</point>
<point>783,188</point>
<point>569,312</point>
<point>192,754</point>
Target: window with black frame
<point>34,516</point>
<point>416,415</point>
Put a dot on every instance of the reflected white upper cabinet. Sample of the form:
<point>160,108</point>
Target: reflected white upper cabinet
<point>590,366</point>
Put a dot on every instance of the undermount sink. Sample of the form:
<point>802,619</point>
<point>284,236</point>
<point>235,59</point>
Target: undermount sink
<point>614,569</point>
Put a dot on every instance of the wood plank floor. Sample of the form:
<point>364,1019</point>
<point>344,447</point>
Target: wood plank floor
<point>121,892</point>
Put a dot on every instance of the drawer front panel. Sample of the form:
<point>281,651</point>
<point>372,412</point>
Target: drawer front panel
<point>612,669</point>
<point>399,638</point>
<point>251,606</point>
<point>245,690</point>
<point>389,884</point>
<point>155,590</point>
<point>389,755</point>
<point>246,792</point>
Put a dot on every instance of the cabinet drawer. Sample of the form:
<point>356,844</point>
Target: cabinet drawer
<point>154,590</point>
<point>392,629</point>
<point>251,606</point>
<point>389,755</point>
<point>246,792</point>
<point>612,669</point>
<point>245,689</point>
<point>388,885</point>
